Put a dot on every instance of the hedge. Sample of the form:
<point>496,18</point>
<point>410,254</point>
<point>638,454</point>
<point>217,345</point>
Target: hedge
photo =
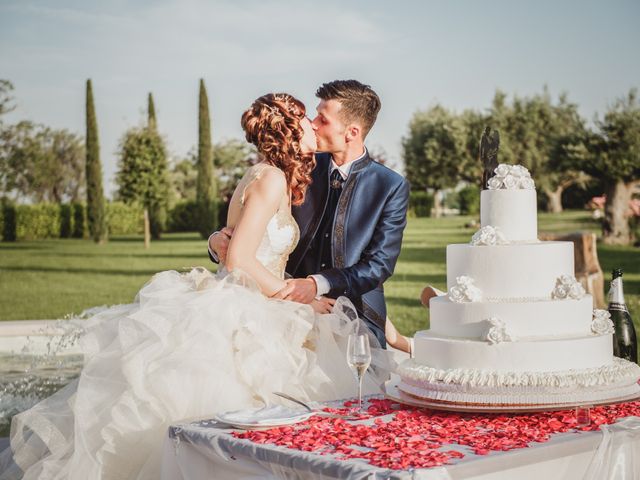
<point>33,222</point>
<point>420,204</point>
<point>51,220</point>
<point>469,200</point>
<point>2,207</point>
<point>184,216</point>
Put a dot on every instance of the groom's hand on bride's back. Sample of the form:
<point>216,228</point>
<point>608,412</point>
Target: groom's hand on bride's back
<point>219,243</point>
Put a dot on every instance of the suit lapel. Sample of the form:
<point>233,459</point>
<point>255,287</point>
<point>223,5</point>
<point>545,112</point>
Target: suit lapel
<point>339,247</point>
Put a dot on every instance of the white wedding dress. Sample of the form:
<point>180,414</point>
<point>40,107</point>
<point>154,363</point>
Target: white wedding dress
<point>190,345</point>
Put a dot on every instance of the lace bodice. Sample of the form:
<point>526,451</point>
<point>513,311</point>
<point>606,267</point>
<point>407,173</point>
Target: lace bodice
<point>282,233</point>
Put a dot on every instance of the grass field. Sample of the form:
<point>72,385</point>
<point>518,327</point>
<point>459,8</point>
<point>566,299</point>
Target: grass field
<point>51,278</point>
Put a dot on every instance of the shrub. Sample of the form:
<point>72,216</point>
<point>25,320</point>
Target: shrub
<point>66,220</point>
<point>79,229</point>
<point>420,204</point>
<point>33,222</point>
<point>9,221</point>
<point>124,219</point>
<point>183,217</point>
<point>469,200</point>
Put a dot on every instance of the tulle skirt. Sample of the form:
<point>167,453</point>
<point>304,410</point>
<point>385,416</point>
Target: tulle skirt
<point>190,345</point>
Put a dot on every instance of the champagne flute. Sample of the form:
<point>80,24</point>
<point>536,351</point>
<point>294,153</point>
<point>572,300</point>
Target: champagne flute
<point>359,359</point>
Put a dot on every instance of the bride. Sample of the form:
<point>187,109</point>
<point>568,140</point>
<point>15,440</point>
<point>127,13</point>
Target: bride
<point>195,344</point>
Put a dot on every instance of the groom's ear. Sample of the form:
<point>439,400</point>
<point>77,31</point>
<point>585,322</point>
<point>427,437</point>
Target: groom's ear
<point>353,132</point>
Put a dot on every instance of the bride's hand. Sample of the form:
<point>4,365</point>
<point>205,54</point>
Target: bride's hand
<point>322,304</point>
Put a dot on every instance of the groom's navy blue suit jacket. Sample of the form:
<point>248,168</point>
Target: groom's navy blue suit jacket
<point>367,232</point>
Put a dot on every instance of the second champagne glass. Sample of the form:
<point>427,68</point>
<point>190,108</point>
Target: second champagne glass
<point>359,359</point>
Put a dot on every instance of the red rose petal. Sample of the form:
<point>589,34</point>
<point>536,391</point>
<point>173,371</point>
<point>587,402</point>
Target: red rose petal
<point>413,438</point>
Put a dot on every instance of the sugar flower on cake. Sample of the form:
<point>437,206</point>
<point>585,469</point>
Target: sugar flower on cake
<point>488,235</point>
<point>465,290</point>
<point>497,332</point>
<point>601,323</point>
<point>511,177</point>
<point>568,287</point>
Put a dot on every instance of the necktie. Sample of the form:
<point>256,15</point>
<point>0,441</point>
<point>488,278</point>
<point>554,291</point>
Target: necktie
<point>336,179</point>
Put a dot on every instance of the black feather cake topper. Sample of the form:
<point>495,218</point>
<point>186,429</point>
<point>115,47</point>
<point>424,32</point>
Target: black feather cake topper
<point>489,145</point>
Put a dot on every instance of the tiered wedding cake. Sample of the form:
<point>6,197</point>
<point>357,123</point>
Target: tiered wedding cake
<point>515,327</point>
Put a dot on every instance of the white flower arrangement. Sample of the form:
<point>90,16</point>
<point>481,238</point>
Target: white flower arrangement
<point>497,332</point>
<point>601,323</point>
<point>464,291</point>
<point>568,287</point>
<point>489,235</point>
<point>511,177</point>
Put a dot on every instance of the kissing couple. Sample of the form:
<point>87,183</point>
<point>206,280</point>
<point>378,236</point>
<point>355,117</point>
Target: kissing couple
<point>310,240</point>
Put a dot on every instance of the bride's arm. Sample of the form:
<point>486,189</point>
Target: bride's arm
<point>262,200</point>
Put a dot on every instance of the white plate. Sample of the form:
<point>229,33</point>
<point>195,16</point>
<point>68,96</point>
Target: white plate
<point>266,417</point>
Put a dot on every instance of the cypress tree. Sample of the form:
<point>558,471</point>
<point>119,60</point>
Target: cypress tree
<point>151,114</point>
<point>96,215</point>
<point>157,208</point>
<point>205,186</point>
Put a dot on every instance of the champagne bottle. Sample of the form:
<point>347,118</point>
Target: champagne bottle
<point>624,336</point>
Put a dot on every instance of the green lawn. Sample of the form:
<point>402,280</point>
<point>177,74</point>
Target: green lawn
<point>52,278</point>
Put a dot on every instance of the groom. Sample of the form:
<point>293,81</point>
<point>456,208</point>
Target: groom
<point>354,213</point>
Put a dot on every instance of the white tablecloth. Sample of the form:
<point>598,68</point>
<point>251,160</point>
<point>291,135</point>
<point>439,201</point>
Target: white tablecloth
<point>205,450</point>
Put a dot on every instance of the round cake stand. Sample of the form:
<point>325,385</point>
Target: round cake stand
<point>392,392</point>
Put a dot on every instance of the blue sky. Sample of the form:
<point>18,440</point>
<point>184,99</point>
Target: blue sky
<point>413,53</point>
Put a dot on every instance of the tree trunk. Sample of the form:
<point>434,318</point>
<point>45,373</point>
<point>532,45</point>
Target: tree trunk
<point>554,199</point>
<point>147,229</point>
<point>615,226</point>
<point>437,204</point>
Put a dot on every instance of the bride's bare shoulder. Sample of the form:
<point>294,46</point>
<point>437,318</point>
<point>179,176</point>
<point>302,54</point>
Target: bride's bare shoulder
<point>269,183</point>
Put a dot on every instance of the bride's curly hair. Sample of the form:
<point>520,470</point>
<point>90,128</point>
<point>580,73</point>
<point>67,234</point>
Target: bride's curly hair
<point>272,124</point>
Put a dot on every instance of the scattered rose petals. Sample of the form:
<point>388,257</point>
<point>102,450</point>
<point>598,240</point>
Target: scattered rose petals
<point>414,438</point>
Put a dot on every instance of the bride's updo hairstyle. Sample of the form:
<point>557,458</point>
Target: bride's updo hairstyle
<point>272,124</point>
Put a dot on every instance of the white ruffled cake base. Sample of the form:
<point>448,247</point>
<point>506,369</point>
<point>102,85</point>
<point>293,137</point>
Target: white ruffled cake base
<point>535,389</point>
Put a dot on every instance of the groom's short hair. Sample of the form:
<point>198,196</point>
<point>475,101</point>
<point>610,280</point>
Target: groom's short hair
<point>359,102</point>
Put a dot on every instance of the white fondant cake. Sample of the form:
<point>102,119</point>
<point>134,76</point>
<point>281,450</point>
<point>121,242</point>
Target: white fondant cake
<point>514,212</point>
<point>515,327</point>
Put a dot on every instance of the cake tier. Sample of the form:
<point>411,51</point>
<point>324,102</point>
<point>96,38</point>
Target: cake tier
<point>544,318</point>
<point>538,355</point>
<point>483,387</point>
<point>524,271</point>
<point>514,212</point>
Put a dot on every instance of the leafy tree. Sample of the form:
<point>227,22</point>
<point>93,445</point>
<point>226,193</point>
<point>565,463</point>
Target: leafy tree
<point>433,152</point>
<point>96,214</point>
<point>142,176</point>
<point>158,210</point>
<point>41,164</point>
<point>535,132</point>
<point>183,177</point>
<point>612,153</point>
<point>205,186</point>
<point>473,124</point>
<point>231,157</point>
<point>6,100</point>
